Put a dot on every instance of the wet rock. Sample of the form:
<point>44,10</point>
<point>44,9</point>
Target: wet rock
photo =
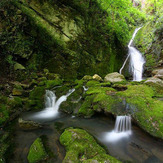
<point>114,77</point>
<point>158,73</point>
<point>28,125</point>
<point>97,77</point>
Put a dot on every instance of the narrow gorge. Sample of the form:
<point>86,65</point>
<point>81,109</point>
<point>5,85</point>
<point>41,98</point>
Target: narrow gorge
<point>81,81</point>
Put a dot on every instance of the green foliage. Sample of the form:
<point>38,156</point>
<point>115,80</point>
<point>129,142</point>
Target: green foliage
<point>122,16</point>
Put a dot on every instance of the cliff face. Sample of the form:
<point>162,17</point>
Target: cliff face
<point>69,38</point>
<point>149,41</point>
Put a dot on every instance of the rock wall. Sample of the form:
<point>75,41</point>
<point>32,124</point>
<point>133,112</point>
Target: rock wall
<point>67,38</point>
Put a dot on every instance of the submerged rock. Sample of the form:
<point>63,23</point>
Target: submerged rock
<point>28,125</point>
<point>37,152</point>
<point>114,77</point>
<point>82,147</point>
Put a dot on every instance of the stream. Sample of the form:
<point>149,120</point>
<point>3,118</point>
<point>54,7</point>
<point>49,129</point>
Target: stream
<point>138,147</point>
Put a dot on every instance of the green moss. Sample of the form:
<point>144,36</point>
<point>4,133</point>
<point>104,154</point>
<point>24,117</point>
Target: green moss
<point>15,102</point>
<point>148,112</point>
<point>47,32</point>
<point>52,83</point>
<point>86,108</point>
<point>96,90</point>
<point>37,152</point>
<point>79,83</point>
<point>92,83</point>
<point>36,98</point>
<point>82,147</point>
<point>4,114</point>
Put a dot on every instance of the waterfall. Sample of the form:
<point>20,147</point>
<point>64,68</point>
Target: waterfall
<point>51,105</point>
<point>123,124</point>
<point>136,60</point>
<point>85,89</point>
<point>121,130</point>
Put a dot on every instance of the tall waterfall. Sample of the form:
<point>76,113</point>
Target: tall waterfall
<point>136,60</point>
<point>51,105</point>
<point>123,124</point>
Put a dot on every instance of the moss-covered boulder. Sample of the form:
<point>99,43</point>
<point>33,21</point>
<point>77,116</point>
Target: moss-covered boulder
<point>36,98</point>
<point>37,152</point>
<point>87,77</point>
<point>114,77</point>
<point>155,83</point>
<point>82,147</point>
<point>146,110</point>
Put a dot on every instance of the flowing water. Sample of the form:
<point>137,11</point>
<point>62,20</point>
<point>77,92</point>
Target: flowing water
<point>121,142</point>
<point>51,105</point>
<point>121,130</point>
<point>136,60</point>
<point>123,124</point>
<point>138,147</point>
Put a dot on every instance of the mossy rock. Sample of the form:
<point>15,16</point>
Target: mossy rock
<point>92,83</point>
<point>16,92</point>
<point>36,98</point>
<point>146,110</point>
<point>82,147</point>
<point>114,77</point>
<point>86,108</point>
<point>37,152</point>
<point>4,114</point>
<point>156,83</point>
<point>50,84</point>
<point>87,77</point>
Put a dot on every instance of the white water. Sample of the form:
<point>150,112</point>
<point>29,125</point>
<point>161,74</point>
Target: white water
<point>85,89</point>
<point>51,105</point>
<point>123,124</point>
<point>136,60</point>
<point>121,130</point>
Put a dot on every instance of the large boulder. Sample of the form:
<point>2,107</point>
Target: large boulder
<point>158,73</point>
<point>156,83</point>
<point>82,147</point>
<point>114,77</point>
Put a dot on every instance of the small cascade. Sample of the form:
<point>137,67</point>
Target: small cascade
<point>121,130</point>
<point>85,89</point>
<point>50,99</point>
<point>136,60</point>
<point>51,105</point>
<point>123,124</point>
